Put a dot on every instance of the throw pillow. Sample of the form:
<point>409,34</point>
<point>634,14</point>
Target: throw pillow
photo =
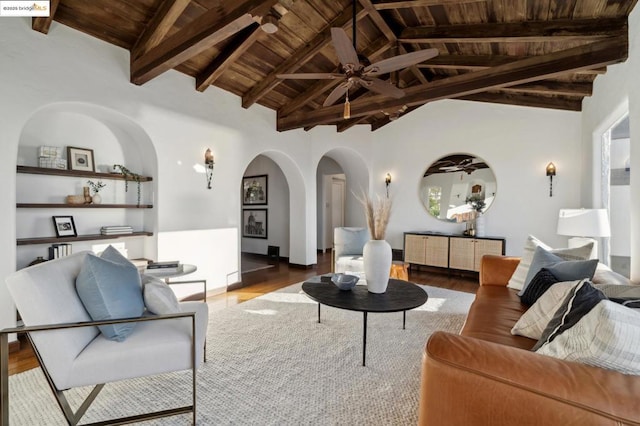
<point>607,337</point>
<point>542,281</point>
<point>533,322</point>
<point>604,275</point>
<point>580,300</point>
<point>159,298</point>
<point>564,270</point>
<point>520,274</point>
<point>619,291</point>
<point>110,290</point>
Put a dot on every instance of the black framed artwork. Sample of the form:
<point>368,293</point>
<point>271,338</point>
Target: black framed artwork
<point>64,226</point>
<point>255,190</point>
<point>254,223</point>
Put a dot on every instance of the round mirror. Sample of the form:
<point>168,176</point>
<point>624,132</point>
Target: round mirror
<point>458,188</point>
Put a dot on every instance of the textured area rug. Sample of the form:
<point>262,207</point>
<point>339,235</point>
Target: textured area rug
<point>271,363</point>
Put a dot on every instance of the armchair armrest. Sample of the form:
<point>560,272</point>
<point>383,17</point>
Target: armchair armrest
<point>470,381</point>
<point>497,270</point>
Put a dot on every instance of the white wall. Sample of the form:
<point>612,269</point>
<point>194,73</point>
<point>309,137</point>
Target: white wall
<point>277,208</point>
<point>65,65</point>
<point>614,94</point>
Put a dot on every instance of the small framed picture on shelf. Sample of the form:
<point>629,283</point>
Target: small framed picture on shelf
<point>254,223</point>
<point>80,159</point>
<point>64,226</point>
<point>254,190</point>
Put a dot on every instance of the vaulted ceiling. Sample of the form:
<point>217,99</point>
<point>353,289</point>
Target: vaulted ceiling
<point>538,53</point>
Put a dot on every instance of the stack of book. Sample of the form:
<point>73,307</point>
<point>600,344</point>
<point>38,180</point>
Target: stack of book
<point>59,250</point>
<point>115,230</point>
<point>168,267</point>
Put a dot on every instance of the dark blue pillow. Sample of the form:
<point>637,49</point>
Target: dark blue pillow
<point>540,283</point>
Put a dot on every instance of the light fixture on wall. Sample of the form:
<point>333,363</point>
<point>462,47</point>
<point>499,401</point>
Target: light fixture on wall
<point>551,172</point>
<point>208,163</point>
<point>387,181</point>
<point>584,225</point>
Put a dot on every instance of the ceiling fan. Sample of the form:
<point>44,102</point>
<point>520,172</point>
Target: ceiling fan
<point>358,72</point>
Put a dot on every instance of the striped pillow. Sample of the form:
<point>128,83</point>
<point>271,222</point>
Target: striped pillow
<point>607,337</point>
<point>520,274</point>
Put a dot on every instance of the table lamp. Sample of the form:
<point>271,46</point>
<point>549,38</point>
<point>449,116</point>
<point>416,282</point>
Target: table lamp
<point>584,225</point>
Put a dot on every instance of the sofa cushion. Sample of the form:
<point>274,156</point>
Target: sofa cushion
<point>604,275</point>
<point>350,263</point>
<point>533,322</point>
<point>580,300</point>
<point>159,298</point>
<point>110,290</point>
<point>608,336</point>
<point>619,291</point>
<point>540,283</point>
<point>519,276</point>
<point>564,270</point>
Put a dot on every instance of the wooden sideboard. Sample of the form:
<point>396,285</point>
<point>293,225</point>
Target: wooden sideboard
<point>449,250</point>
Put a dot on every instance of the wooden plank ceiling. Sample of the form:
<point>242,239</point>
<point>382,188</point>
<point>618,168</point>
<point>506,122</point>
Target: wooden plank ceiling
<point>537,53</point>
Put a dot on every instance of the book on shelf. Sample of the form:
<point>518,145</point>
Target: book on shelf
<point>60,250</point>
<point>164,265</point>
<point>116,232</point>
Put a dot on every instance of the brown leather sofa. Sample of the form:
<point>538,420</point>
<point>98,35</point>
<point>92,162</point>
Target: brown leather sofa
<point>486,376</point>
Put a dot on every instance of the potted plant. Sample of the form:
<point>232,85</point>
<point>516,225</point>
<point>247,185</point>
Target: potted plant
<point>377,252</point>
<point>128,175</point>
<point>95,188</point>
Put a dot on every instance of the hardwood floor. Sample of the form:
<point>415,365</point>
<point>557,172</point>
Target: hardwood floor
<point>268,280</point>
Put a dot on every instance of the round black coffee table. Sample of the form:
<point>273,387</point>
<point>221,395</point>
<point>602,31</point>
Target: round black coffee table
<point>400,296</point>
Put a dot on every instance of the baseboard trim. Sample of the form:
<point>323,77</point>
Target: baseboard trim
<point>298,266</point>
<point>14,346</point>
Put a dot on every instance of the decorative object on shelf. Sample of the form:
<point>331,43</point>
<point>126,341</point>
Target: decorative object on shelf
<point>80,159</point>
<point>60,250</point>
<point>37,260</point>
<point>128,175</point>
<point>377,252</point>
<point>254,223</point>
<point>50,157</point>
<point>584,225</point>
<point>95,188</point>
<point>116,230</point>
<point>64,226</point>
<point>208,163</point>
<point>387,182</point>
<point>75,199</point>
<point>255,190</point>
<point>344,282</point>
<point>551,172</point>
<point>86,195</point>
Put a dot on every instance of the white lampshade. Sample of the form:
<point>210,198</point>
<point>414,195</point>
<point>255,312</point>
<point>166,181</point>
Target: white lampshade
<point>584,223</point>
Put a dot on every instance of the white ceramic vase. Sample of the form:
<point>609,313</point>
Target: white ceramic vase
<point>480,226</point>
<point>377,264</point>
<point>96,199</point>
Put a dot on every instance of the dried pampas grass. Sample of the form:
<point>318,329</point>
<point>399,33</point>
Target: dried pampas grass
<point>377,213</point>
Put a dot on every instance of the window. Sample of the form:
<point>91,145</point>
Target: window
<point>434,194</point>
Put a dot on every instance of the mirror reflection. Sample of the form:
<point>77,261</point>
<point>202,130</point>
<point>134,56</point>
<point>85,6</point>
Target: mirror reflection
<point>458,188</point>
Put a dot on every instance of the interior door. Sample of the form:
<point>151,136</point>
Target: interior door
<point>337,204</point>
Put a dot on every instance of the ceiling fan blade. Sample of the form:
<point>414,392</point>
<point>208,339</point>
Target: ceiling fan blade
<point>398,62</point>
<point>382,87</point>
<point>336,94</point>
<point>344,48</point>
<point>312,76</point>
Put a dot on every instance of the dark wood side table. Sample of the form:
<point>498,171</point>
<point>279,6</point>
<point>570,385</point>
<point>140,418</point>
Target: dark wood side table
<point>400,296</point>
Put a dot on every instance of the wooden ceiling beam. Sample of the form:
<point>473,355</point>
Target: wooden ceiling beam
<point>535,68</point>
<point>552,88</point>
<point>479,62</point>
<point>42,24</point>
<point>167,14</point>
<point>299,58</point>
<point>540,31</point>
<point>238,46</point>
<point>565,104</point>
<point>205,31</point>
<point>322,86</point>
<point>407,4</point>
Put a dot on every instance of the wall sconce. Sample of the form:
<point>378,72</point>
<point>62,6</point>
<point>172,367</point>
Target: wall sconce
<point>208,163</point>
<point>551,172</point>
<point>387,181</point>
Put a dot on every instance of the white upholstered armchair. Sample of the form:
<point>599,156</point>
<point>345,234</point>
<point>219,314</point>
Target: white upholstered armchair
<point>348,246</point>
<point>73,351</point>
